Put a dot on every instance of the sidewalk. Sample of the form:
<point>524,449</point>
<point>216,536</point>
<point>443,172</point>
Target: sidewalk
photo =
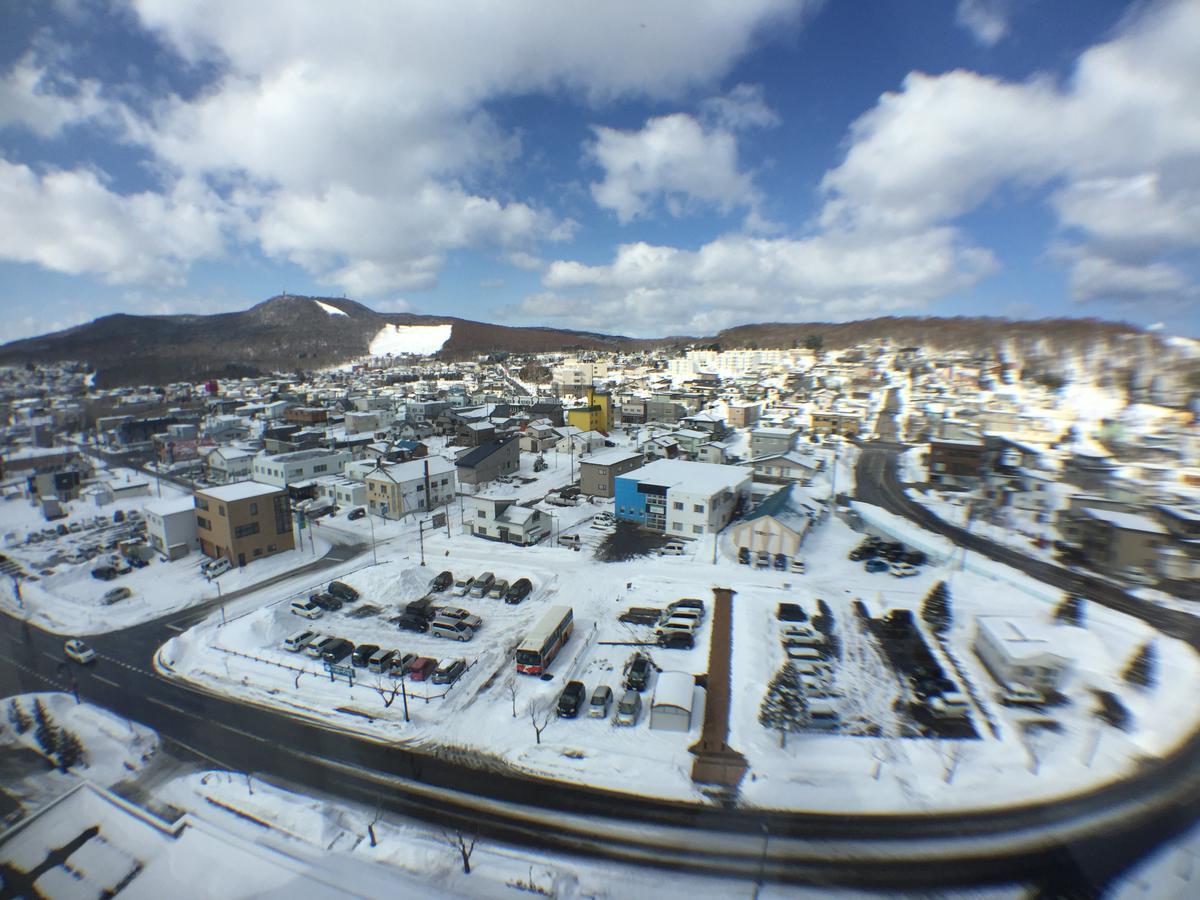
<point>716,762</point>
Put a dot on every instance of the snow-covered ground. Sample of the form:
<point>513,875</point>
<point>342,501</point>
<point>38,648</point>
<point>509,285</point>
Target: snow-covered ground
<point>114,748</point>
<point>397,340</point>
<point>70,601</point>
<point>815,771</point>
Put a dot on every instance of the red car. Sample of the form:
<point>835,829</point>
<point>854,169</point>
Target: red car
<point>423,668</point>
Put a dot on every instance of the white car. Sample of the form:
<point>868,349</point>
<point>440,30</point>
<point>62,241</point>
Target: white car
<point>309,609</point>
<point>217,567</point>
<point>79,651</point>
<point>902,570</point>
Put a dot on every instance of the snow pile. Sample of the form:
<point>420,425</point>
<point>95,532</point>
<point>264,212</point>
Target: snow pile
<point>332,310</point>
<point>422,340</point>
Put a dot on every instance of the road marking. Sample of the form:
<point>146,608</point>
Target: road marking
<point>107,681</point>
<point>173,707</point>
<point>174,628</point>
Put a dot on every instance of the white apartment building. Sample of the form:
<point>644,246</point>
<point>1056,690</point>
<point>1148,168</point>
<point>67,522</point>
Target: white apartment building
<point>681,498</point>
<point>575,374</point>
<point>399,490</point>
<point>301,465</point>
<point>171,527</point>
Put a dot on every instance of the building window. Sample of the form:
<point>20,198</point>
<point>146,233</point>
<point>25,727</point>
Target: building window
<point>270,548</point>
<point>221,510</point>
<point>482,530</point>
<point>201,503</point>
<point>678,526</point>
<point>254,509</point>
<point>697,529</point>
<point>678,505</point>
<point>258,551</point>
<point>482,514</point>
<point>321,468</point>
<point>202,522</point>
<point>698,507</point>
<point>246,530</point>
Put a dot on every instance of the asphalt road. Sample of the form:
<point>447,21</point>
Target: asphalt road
<point>1070,845</point>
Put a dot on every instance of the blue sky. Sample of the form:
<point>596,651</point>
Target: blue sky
<point>645,169</point>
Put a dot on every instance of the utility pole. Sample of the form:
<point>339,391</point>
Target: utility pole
<point>374,556</point>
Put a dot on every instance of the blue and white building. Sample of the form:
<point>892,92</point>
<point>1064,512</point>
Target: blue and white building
<point>687,499</point>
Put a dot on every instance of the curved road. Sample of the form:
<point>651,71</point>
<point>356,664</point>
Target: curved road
<point>1064,845</point>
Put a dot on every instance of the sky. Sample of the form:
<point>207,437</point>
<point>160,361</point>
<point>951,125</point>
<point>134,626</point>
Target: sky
<point>634,168</point>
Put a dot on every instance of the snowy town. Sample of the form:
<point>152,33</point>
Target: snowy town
<point>873,580</point>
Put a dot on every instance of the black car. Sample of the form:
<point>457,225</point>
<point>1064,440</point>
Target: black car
<point>916,557</point>
<point>571,700</point>
<point>640,615</point>
<point>422,608</point>
<point>691,603</point>
<point>790,612</point>
<point>343,591</point>
<point>137,562</point>
<point>858,554</point>
<point>357,513</point>
<point>409,622</point>
<point>676,640</point>
<point>744,555</point>
<point>327,602</point>
<point>362,655</point>
<point>518,590</point>
<point>637,673</point>
<point>337,651</point>
<point>104,573</point>
<point>442,581</point>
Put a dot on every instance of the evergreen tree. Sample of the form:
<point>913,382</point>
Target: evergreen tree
<point>1070,611</point>
<point>44,731</point>
<point>935,608</point>
<point>785,706</point>
<point>1142,669</point>
<point>19,718</point>
<point>70,750</point>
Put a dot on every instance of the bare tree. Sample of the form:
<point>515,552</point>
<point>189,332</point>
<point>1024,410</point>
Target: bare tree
<point>952,755</point>
<point>371,825</point>
<point>511,687</point>
<point>388,694</point>
<point>464,844</point>
<point>870,689</point>
<point>539,719</point>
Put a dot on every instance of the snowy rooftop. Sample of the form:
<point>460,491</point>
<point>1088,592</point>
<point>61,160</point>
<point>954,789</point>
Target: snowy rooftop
<point>243,490</point>
<point>707,478</point>
<point>674,689</point>
<point>610,457</point>
<point>1125,520</point>
<point>171,507</point>
<point>301,455</point>
<point>415,468</point>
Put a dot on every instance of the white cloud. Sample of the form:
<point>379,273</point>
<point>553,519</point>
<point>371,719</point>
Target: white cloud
<point>654,290</point>
<point>743,107</point>
<point>355,141</point>
<point>1100,278</point>
<point>987,20</point>
<point>31,97</point>
<point>673,160</point>
<point>69,221</point>
<point>527,261</point>
<point>1121,137</point>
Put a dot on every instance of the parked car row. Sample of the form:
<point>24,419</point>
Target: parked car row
<point>452,622</point>
<point>763,560</point>
<point>887,552</point>
<point>331,599</point>
<point>675,626</point>
<point>375,659</point>
<point>484,585</point>
<point>571,702</point>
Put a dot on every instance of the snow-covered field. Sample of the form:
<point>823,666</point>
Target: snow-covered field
<point>422,340</point>
<point>815,771</point>
<point>114,748</point>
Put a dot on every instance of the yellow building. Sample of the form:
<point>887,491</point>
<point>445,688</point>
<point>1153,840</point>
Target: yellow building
<point>596,416</point>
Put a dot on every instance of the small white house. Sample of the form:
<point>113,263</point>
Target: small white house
<point>505,520</point>
<point>171,527</point>
<point>1022,650</point>
<point>674,700</point>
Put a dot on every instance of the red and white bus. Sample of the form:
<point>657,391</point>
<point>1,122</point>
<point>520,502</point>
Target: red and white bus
<point>542,644</point>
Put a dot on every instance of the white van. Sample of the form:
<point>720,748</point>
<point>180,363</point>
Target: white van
<point>217,567</point>
<point>306,608</point>
<point>298,641</point>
